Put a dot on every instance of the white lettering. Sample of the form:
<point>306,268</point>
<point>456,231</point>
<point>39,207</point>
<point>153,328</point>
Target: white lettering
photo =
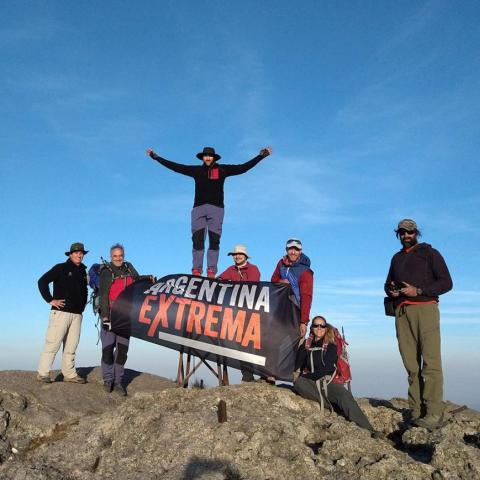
<point>263,300</point>
<point>206,290</point>
<point>233,296</point>
<point>153,290</point>
<point>247,294</point>
<point>221,293</point>
<point>190,292</point>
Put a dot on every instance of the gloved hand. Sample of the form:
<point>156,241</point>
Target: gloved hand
<point>106,324</point>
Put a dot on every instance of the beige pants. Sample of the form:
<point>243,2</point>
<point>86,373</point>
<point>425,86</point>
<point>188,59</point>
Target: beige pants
<point>63,327</point>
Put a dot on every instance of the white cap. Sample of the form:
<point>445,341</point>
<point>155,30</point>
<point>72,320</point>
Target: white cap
<point>294,243</point>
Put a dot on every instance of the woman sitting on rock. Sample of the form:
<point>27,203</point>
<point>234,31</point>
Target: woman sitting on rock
<point>316,359</point>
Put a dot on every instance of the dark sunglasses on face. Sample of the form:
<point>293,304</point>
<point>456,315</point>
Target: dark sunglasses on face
<point>402,231</point>
<point>318,325</point>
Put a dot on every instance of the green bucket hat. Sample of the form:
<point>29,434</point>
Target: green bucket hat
<point>76,247</point>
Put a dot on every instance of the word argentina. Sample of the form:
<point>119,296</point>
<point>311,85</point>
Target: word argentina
<point>195,305</point>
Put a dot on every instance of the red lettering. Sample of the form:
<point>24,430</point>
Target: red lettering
<point>146,307</point>
<point>197,312</point>
<point>181,308</point>
<point>252,333</point>
<point>161,315</point>
<point>231,327</point>
<point>211,320</point>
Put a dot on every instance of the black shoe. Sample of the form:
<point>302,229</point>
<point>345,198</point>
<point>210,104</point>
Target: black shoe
<point>108,386</point>
<point>120,389</point>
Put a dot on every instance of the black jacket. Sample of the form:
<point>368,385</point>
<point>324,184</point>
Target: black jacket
<point>423,267</point>
<point>69,284</point>
<point>324,361</point>
<point>106,279</point>
<point>209,181</point>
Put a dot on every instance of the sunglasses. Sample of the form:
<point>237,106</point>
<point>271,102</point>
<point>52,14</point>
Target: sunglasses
<point>402,231</point>
<point>319,325</point>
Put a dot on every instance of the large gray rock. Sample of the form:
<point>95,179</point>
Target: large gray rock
<point>65,431</point>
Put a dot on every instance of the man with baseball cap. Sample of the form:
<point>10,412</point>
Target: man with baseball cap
<point>68,302</point>
<point>242,269</point>
<point>208,206</point>
<point>294,268</point>
<point>418,274</point>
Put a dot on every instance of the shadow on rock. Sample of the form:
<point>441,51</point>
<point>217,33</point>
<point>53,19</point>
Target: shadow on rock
<point>130,375</point>
<point>203,467</point>
<point>375,402</point>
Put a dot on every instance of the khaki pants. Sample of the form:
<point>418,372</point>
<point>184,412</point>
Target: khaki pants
<point>418,334</point>
<point>63,327</point>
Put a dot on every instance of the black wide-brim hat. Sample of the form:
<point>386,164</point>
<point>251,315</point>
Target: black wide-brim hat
<point>209,151</point>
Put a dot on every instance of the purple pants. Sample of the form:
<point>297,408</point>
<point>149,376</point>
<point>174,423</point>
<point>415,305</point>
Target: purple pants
<point>206,218</point>
<point>114,356</point>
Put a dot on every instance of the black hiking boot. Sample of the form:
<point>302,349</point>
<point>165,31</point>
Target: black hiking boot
<point>108,386</point>
<point>120,389</point>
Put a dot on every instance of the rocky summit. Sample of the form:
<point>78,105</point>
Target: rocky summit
<point>79,432</point>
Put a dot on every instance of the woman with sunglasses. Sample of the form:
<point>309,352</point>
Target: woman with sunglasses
<point>316,359</point>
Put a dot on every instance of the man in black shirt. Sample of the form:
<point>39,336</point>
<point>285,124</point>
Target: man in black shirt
<point>417,276</point>
<point>208,206</point>
<point>68,302</point>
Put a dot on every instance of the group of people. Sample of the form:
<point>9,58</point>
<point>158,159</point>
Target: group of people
<point>417,276</point>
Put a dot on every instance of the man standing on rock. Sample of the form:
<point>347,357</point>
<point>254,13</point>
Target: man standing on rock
<point>115,276</point>
<point>68,302</point>
<point>418,275</point>
<point>208,206</point>
<point>294,268</point>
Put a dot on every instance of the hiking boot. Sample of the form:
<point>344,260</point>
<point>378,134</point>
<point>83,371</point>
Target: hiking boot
<point>108,386</point>
<point>120,389</point>
<point>44,378</point>
<point>75,379</point>
<point>210,273</point>
<point>429,421</point>
<point>196,272</point>
<point>412,416</point>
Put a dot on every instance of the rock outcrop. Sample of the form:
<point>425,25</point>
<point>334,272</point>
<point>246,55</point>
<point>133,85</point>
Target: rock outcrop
<point>67,431</point>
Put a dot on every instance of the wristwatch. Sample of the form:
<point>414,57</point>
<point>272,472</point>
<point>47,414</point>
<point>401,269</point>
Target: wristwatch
<point>419,291</point>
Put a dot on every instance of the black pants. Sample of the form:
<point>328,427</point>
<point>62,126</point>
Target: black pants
<point>338,396</point>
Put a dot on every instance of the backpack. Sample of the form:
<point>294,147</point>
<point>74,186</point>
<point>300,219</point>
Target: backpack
<point>94,283</point>
<point>342,374</point>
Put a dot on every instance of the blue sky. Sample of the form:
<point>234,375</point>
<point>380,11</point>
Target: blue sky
<point>372,109</point>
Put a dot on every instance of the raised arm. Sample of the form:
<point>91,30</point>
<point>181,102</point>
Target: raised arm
<point>245,167</point>
<point>176,167</point>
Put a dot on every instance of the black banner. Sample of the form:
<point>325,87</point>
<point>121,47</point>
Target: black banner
<point>239,323</point>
